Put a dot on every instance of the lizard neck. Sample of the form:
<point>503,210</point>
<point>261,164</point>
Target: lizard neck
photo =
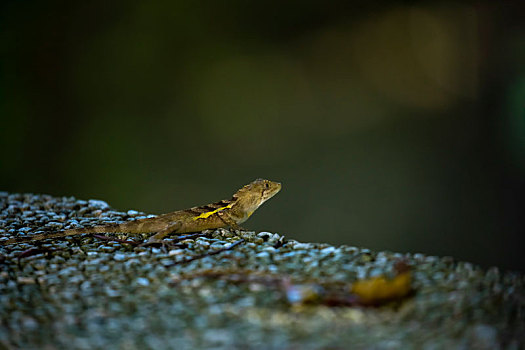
<point>243,208</point>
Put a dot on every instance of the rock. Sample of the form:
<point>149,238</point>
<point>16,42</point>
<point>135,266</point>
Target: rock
<point>86,293</point>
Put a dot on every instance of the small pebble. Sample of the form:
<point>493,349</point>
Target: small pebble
<point>143,281</point>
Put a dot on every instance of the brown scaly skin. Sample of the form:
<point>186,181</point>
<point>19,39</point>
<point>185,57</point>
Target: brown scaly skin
<point>225,213</point>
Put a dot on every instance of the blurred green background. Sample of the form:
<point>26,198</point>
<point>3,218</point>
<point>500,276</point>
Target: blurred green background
<point>391,125</point>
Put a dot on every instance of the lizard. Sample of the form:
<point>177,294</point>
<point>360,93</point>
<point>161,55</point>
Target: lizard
<point>225,213</point>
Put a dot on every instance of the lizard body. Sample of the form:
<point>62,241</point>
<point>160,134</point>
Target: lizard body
<point>225,213</point>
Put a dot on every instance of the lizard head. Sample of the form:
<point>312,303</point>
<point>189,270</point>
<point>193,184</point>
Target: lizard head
<point>251,196</point>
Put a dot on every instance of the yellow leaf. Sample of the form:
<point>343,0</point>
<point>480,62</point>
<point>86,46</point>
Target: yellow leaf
<point>376,290</point>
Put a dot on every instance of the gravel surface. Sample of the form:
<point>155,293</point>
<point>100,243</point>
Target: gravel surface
<point>87,293</point>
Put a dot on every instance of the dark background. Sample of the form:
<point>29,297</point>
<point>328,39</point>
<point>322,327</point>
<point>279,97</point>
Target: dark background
<point>391,125</point>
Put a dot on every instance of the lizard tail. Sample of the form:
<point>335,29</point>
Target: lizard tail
<point>72,232</point>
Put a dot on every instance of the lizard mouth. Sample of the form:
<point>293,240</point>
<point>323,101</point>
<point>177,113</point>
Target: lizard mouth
<point>274,191</point>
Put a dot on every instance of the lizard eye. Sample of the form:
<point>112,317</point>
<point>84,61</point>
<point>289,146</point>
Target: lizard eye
<point>266,185</point>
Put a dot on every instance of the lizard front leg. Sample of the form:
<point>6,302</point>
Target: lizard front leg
<point>229,221</point>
